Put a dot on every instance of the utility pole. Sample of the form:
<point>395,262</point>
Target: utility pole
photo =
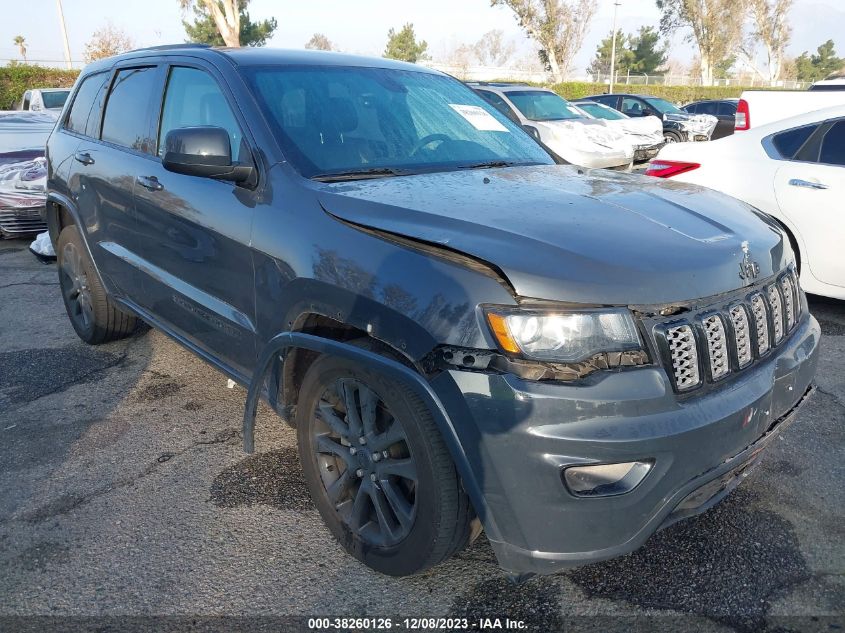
<point>64,33</point>
<point>613,50</point>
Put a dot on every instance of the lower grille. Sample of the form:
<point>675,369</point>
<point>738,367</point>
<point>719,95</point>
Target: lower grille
<point>21,222</point>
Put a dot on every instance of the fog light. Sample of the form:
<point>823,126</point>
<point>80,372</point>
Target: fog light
<point>606,480</point>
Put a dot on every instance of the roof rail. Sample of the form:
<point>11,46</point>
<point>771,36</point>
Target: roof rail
<point>166,47</point>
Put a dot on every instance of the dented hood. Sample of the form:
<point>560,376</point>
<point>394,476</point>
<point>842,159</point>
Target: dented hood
<point>564,234</point>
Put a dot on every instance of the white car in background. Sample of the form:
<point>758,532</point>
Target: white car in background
<point>793,170</point>
<point>558,125</point>
<point>645,133</point>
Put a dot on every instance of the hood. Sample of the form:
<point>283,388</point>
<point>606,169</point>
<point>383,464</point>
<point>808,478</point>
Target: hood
<point>588,135</point>
<point>564,234</point>
<point>647,129</point>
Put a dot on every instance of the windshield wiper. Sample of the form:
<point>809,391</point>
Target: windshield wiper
<point>490,164</point>
<point>360,174</point>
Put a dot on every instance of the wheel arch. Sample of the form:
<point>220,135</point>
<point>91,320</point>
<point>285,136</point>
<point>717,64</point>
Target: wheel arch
<point>62,212</point>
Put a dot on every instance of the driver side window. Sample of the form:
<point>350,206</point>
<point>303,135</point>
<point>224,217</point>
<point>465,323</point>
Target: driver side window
<point>193,98</point>
<point>632,107</point>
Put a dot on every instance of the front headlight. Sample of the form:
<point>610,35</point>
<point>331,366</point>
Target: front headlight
<point>563,336</point>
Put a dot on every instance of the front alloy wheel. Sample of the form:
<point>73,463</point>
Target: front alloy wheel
<point>365,464</point>
<point>378,469</point>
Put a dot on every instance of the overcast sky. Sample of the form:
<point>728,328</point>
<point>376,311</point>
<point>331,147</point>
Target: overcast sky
<point>360,26</point>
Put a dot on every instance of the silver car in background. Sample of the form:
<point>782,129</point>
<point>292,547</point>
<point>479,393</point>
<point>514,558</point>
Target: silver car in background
<point>645,133</point>
<point>563,129</point>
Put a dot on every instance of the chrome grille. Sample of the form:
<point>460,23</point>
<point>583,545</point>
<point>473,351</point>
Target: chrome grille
<point>717,348</point>
<point>776,305</point>
<point>788,301</point>
<point>742,335</point>
<point>682,349</point>
<point>21,222</point>
<point>758,309</point>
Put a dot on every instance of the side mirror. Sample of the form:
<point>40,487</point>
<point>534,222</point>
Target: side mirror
<point>203,151</point>
<point>533,131</point>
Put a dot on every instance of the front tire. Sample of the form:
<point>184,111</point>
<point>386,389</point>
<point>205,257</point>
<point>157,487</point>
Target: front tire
<point>378,469</point>
<point>92,313</point>
<point>672,137</point>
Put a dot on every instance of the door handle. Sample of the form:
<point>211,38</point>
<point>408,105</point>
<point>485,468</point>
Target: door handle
<point>797,182</point>
<point>84,158</point>
<point>149,182</point>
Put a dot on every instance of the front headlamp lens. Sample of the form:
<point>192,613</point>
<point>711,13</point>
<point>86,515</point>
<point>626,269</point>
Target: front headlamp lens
<point>565,337</point>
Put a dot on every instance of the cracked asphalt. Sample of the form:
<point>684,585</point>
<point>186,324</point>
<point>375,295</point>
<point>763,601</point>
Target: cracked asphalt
<point>125,492</point>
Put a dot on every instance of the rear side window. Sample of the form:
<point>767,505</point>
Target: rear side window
<point>726,109</point>
<point>77,119</point>
<point>126,121</point>
<point>788,143</point>
<point>193,98</point>
<point>692,108</point>
<point>707,107</point>
<point>833,145</point>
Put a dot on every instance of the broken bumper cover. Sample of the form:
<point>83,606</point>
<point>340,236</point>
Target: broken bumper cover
<point>647,152</point>
<point>520,435</point>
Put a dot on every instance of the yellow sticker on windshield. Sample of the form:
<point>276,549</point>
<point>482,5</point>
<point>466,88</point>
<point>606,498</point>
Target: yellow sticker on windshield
<point>479,118</point>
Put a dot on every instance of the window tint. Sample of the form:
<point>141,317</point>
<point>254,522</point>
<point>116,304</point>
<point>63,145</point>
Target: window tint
<point>92,128</point>
<point>692,108</point>
<point>497,102</point>
<point>788,143</point>
<point>726,108</point>
<point>332,120</point>
<point>632,107</point>
<point>82,101</point>
<point>26,101</point>
<point>707,107</point>
<point>54,99</point>
<point>126,121</point>
<point>833,145</point>
<point>194,98</point>
<point>610,101</point>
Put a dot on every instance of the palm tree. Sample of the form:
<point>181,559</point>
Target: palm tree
<point>20,42</point>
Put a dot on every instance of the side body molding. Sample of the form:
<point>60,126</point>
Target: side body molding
<point>281,343</point>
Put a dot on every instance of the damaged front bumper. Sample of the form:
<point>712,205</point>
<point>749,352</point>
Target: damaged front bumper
<point>520,436</point>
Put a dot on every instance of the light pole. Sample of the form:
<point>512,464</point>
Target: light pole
<point>613,50</point>
<point>64,32</point>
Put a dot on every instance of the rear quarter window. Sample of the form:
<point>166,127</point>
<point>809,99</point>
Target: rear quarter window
<point>77,120</point>
<point>833,145</point>
<point>788,143</point>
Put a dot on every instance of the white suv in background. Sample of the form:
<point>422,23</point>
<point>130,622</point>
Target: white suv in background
<point>793,170</point>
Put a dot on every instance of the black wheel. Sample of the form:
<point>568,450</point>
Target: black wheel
<point>91,312</point>
<point>671,137</point>
<point>378,469</point>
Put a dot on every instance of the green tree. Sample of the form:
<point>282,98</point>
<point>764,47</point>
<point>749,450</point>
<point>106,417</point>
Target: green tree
<point>204,29</point>
<point>648,56</point>
<point>819,65</point>
<point>601,62</point>
<point>404,45</point>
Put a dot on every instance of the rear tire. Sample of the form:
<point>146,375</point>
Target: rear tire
<point>395,501</point>
<point>92,313</point>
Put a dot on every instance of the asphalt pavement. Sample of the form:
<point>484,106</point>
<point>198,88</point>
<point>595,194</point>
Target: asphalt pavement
<point>125,492</point>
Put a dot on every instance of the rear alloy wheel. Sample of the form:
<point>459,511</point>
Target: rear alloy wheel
<point>91,312</point>
<point>378,469</point>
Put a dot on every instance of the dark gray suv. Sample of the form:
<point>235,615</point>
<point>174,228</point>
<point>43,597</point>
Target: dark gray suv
<point>464,334</point>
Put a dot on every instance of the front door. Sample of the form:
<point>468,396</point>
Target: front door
<point>194,233</point>
<point>810,194</point>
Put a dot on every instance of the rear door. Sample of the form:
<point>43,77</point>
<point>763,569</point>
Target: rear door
<point>194,233</point>
<point>110,155</point>
<point>810,191</point>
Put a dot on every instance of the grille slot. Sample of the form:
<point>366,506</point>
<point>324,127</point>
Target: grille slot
<point>682,348</point>
<point>717,346</point>
<point>776,304</point>
<point>758,309</point>
<point>742,335</point>
<point>788,301</point>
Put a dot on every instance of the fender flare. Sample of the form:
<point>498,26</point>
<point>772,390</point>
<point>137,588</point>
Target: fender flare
<point>278,346</point>
<point>68,205</point>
